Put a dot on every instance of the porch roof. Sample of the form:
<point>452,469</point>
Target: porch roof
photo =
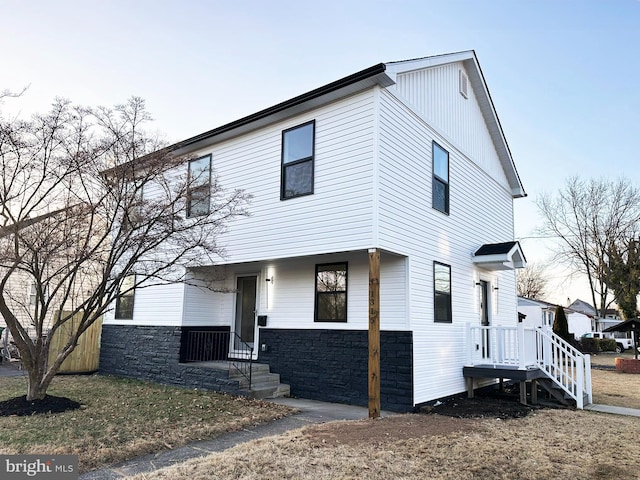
<point>500,256</point>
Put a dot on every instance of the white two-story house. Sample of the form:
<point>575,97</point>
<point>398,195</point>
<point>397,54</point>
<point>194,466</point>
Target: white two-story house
<point>407,159</point>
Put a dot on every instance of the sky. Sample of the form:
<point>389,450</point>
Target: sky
<point>563,74</point>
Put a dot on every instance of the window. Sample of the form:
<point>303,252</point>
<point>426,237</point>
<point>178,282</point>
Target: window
<point>134,212</point>
<point>34,300</point>
<point>442,292</point>
<point>199,188</point>
<point>464,84</point>
<point>297,161</point>
<point>440,178</point>
<point>33,295</point>
<point>331,292</point>
<point>124,303</point>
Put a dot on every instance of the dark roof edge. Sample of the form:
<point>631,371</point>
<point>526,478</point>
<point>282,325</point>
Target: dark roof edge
<point>495,113</point>
<point>305,97</point>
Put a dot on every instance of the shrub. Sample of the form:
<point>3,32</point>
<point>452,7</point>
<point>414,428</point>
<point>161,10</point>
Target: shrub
<point>607,345</point>
<point>589,345</point>
<point>596,345</point>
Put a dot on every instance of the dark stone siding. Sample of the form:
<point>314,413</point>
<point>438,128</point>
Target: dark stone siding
<point>153,353</point>
<point>332,365</point>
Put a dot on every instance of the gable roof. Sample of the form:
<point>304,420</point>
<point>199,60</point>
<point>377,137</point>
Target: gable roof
<point>500,256</point>
<point>477,81</point>
<point>582,307</point>
<point>384,75</point>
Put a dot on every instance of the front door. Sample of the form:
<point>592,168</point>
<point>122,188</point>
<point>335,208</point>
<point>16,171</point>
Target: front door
<point>484,317</point>
<point>245,321</point>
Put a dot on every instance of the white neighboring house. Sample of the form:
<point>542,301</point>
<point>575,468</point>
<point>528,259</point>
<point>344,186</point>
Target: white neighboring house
<point>20,293</point>
<point>404,158</point>
<point>598,324</point>
<point>539,313</point>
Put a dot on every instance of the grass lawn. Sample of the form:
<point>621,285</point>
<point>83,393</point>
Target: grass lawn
<point>611,387</point>
<point>547,444</point>
<point>121,419</point>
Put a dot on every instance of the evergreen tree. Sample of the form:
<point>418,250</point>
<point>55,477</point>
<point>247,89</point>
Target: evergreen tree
<point>561,326</point>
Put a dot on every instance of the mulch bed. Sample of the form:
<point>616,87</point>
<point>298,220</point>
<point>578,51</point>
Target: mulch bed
<point>21,407</point>
<point>485,404</point>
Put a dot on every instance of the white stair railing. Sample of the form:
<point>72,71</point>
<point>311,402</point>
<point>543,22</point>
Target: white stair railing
<point>525,348</point>
<point>564,365</point>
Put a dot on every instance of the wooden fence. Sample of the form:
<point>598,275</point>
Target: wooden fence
<point>86,356</point>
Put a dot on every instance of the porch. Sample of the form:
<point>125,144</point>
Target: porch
<point>224,352</point>
<point>531,356</point>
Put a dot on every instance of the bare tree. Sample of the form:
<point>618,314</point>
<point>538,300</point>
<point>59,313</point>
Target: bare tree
<point>92,208</point>
<point>532,282</point>
<point>590,218</point>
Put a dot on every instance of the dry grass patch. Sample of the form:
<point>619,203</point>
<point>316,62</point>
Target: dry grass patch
<point>608,359</point>
<point>611,387</point>
<point>546,444</point>
<point>121,419</point>
<point>615,388</point>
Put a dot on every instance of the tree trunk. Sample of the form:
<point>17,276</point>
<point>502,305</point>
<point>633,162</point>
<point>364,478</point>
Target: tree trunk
<point>39,381</point>
<point>36,389</point>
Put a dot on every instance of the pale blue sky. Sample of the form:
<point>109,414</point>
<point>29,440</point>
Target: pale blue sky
<point>563,74</point>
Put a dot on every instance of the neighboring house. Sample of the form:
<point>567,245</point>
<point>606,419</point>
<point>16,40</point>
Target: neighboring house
<point>20,293</point>
<point>404,158</point>
<point>539,313</point>
<point>612,316</point>
<point>585,308</point>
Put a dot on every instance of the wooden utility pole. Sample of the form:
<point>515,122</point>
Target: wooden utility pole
<point>374,333</point>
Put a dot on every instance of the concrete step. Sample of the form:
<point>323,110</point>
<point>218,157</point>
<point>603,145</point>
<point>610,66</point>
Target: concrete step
<point>256,369</point>
<point>280,390</point>
<point>260,381</point>
<point>264,384</point>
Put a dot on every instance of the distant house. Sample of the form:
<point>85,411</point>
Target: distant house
<point>404,159</point>
<point>612,316</point>
<point>539,313</point>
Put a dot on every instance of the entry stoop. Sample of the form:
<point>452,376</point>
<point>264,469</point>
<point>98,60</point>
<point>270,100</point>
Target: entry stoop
<point>264,384</point>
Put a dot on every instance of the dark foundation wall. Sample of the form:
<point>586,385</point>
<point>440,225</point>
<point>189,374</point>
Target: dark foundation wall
<point>153,353</point>
<point>332,365</point>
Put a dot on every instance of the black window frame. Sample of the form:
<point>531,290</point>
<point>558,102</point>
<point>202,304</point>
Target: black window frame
<point>439,181</point>
<point>198,189</point>
<point>284,166</point>
<point>437,293</point>
<point>344,292</point>
<point>126,313</point>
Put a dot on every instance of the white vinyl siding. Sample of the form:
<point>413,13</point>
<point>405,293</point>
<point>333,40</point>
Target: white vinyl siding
<point>480,212</point>
<point>435,94</point>
<point>155,305</point>
<point>288,301</point>
<point>339,214</point>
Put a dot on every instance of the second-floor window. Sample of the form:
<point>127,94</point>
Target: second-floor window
<point>440,185</point>
<point>297,160</point>
<point>199,188</point>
